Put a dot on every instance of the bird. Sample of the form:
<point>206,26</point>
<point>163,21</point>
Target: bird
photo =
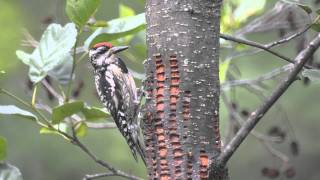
<point>117,92</point>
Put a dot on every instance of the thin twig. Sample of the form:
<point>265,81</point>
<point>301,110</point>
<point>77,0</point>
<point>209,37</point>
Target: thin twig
<point>240,121</point>
<point>268,76</point>
<point>264,139</point>
<point>14,97</point>
<point>276,43</point>
<point>52,91</point>
<point>72,70</point>
<point>284,158</point>
<point>289,38</point>
<point>43,107</point>
<point>29,40</point>
<point>75,118</point>
<point>255,116</point>
<point>258,45</point>
<point>73,139</point>
<point>81,58</point>
<point>29,105</point>
<point>115,171</point>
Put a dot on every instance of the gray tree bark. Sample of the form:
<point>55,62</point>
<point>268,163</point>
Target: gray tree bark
<point>182,88</point>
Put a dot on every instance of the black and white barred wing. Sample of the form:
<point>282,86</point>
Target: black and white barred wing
<point>125,93</point>
<point>124,83</point>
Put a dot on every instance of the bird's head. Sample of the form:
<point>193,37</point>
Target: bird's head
<point>101,54</point>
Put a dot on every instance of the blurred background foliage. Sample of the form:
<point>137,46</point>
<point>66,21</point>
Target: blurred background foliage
<point>50,157</point>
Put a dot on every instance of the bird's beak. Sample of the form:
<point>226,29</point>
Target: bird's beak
<point>117,49</point>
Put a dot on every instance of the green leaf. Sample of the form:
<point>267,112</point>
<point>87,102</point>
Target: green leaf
<point>117,28</point>
<point>61,126</point>
<point>45,130</point>
<point>66,110</point>
<point>98,23</point>
<point>14,110</point>
<point>56,44</point>
<point>53,50</point>
<point>79,11</point>
<point>312,74</point>
<point>81,130</point>
<point>125,11</point>
<point>3,148</point>
<point>94,113</point>
<point>9,172</point>
<point>24,57</point>
<point>62,72</point>
<point>318,11</point>
<point>223,69</point>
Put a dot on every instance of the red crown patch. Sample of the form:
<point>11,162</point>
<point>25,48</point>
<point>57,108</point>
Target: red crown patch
<point>109,45</point>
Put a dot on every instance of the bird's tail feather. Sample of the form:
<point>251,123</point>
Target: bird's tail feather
<point>130,133</point>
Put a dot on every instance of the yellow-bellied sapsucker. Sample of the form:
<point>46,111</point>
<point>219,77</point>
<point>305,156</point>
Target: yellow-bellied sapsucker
<point>117,91</point>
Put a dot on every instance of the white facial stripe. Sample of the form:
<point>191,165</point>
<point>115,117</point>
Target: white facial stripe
<point>92,52</point>
<point>100,60</point>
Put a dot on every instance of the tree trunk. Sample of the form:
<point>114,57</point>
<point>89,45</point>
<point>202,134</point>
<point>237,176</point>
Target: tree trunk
<point>182,88</point>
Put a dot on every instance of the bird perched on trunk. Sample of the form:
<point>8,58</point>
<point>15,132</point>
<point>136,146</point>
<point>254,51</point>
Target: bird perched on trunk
<point>117,91</point>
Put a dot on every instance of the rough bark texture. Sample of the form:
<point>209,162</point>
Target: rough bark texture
<point>182,108</point>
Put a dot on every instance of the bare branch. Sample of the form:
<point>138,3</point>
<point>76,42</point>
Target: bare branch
<point>52,91</point>
<point>75,118</point>
<point>256,45</point>
<point>267,47</point>
<point>240,121</point>
<point>264,139</point>
<point>255,116</point>
<point>268,76</point>
<point>73,138</point>
<point>289,38</point>
<point>114,171</point>
<point>260,46</point>
<point>284,158</point>
<point>29,40</point>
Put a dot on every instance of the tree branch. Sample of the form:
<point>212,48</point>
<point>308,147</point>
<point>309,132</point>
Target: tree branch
<point>260,46</point>
<point>115,172</point>
<point>255,116</point>
<point>268,76</point>
<point>289,38</point>
<point>45,83</point>
<point>267,47</point>
<point>72,138</point>
<point>263,139</point>
<point>240,121</point>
